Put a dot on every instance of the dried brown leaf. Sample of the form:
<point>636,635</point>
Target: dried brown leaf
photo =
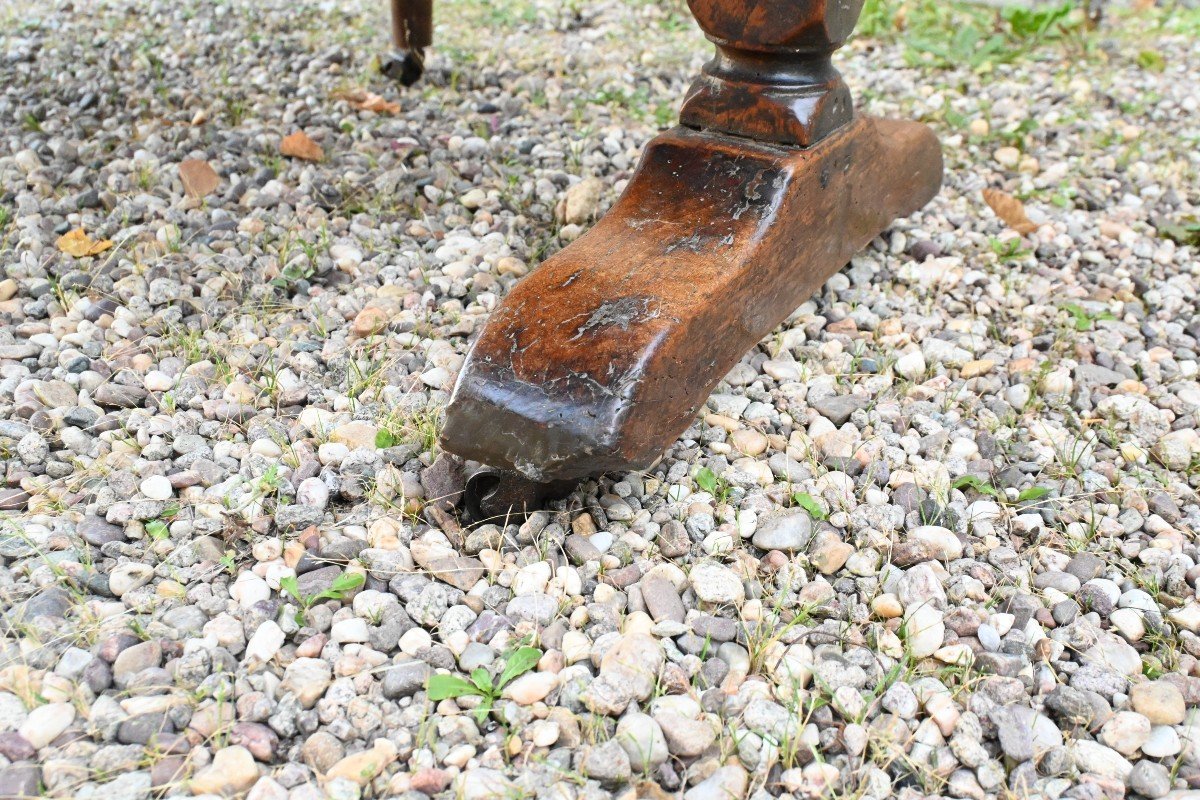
<point>1010,210</point>
<point>369,101</point>
<point>299,145</point>
<point>199,178</point>
<point>80,245</point>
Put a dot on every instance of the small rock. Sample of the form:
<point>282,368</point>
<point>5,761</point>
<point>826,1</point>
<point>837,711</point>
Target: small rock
<point>607,763</point>
<point>726,783</point>
<point>157,487</point>
<point>307,679</point>
<point>643,741</point>
<point>716,584</point>
<point>45,723</point>
<point>364,766</point>
<point>579,203</point>
<point>531,688</point>
<point>1163,742</point>
<point>1125,732</point>
<point>661,599</point>
<point>20,781</point>
<point>1096,758</point>
<point>686,738</point>
<point>129,576</point>
<point>231,772</point>
<point>789,532</point>
<point>1150,779</point>
<point>1159,701</point>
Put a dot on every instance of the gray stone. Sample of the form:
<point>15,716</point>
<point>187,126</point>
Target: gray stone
<point>1150,779</point>
<point>97,532</point>
<point>296,517</point>
<point>1086,566</point>
<point>717,629</point>
<point>20,781</point>
<point>133,660</point>
<point>789,531</point>
<point>405,679</point>
<point>540,609</point>
<point>642,739</point>
<point>661,599</point>
<point>1075,707</point>
<point>580,549</point>
<point>607,763</point>
<point>118,396</point>
<point>838,408</point>
<point>1096,375</point>
<point>1094,677</point>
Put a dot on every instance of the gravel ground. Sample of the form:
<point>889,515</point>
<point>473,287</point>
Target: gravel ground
<point>935,536</point>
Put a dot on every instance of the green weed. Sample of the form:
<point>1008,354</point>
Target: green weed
<point>342,585</point>
<point>443,687</point>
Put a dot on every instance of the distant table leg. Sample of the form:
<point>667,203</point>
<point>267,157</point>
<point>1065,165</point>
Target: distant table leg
<point>412,32</point>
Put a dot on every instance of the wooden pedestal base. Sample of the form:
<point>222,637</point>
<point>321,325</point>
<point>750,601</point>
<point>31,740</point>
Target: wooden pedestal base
<point>599,359</point>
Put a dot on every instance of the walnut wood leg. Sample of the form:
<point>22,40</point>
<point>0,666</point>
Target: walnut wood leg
<point>412,32</point>
<point>599,359</point>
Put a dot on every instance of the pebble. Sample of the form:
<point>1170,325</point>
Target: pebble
<point>723,784</point>
<point>45,723</point>
<point>1163,742</point>
<point>129,576</point>
<point>232,771</point>
<point>924,630</point>
<point>1158,701</point>
<point>643,741</point>
<point>1150,779</point>
<point>789,532</point>
<point>266,642</point>
<point>531,688</point>
<point>1125,732</point>
<point>307,679</point>
<point>156,487</point>
<point>716,584</point>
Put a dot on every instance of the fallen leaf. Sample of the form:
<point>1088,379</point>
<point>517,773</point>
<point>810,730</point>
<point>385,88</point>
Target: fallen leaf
<point>369,101</point>
<point>298,145</point>
<point>198,177</point>
<point>79,244</point>
<point>1009,209</point>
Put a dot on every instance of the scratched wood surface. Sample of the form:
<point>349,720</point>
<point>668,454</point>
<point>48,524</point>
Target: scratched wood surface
<point>604,354</point>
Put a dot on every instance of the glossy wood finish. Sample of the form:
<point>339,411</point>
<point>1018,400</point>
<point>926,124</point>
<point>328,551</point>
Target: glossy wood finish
<point>603,355</point>
<point>600,358</point>
<point>412,32</point>
<point>772,78</point>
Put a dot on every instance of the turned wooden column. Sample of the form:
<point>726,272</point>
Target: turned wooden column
<point>772,78</point>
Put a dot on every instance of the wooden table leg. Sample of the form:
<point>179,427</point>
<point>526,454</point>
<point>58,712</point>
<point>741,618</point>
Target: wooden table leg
<point>601,357</point>
<point>412,32</point>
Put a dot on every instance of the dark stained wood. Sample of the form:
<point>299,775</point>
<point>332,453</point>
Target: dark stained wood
<point>772,78</point>
<point>601,357</point>
<point>412,32</point>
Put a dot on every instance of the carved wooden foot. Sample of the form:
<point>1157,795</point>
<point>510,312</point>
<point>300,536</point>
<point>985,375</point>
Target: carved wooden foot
<point>412,32</point>
<point>599,359</point>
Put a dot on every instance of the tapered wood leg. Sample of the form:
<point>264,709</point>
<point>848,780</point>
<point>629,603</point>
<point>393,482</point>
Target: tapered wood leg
<point>412,32</point>
<point>601,357</point>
